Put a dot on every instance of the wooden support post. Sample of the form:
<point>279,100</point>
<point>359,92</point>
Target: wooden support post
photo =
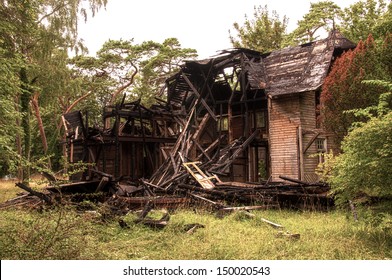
<point>117,143</point>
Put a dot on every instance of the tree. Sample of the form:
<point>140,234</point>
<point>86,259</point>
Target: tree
<point>9,87</point>
<point>33,31</point>
<point>364,18</point>
<point>322,16</point>
<point>365,165</point>
<point>138,70</point>
<point>343,88</point>
<point>162,62</point>
<point>263,32</point>
<point>384,24</point>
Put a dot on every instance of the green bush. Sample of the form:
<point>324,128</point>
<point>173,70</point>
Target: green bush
<point>366,162</point>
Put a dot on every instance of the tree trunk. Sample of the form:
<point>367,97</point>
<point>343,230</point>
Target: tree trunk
<point>34,102</point>
<point>25,110</point>
<point>18,142</point>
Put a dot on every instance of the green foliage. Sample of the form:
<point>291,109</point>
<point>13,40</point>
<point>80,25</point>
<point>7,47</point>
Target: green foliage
<point>163,61</point>
<point>262,170</point>
<point>8,89</point>
<point>324,169</point>
<point>35,37</point>
<point>365,164</point>
<point>264,32</point>
<point>138,70</point>
<point>322,15</point>
<point>365,17</point>
<point>384,23</point>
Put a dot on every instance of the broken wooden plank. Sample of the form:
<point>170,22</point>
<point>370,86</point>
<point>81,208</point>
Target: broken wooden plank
<point>311,142</point>
<point>294,236</point>
<point>243,208</point>
<point>49,177</point>
<point>199,175</point>
<point>156,224</point>
<point>102,184</point>
<point>292,180</point>
<point>271,223</point>
<point>216,204</point>
<point>191,228</point>
<point>152,185</point>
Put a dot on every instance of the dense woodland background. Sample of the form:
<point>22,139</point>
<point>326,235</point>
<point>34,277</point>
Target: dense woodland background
<point>40,81</point>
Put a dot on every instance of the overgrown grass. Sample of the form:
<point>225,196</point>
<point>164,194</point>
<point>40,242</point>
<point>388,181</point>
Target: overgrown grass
<point>66,233</point>
<point>8,190</point>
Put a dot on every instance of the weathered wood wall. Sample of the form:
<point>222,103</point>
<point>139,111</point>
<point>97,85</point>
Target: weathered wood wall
<point>309,131</point>
<point>284,119</point>
<point>293,122</point>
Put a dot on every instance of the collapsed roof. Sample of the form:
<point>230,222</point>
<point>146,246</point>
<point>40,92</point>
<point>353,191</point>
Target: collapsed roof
<point>281,72</point>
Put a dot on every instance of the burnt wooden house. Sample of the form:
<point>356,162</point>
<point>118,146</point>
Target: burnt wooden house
<point>242,116</point>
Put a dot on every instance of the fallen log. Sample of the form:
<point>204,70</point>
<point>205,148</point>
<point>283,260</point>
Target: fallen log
<point>40,195</point>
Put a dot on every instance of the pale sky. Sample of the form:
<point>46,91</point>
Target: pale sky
<point>203,25</point>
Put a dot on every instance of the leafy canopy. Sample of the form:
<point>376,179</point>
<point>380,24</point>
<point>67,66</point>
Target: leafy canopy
<point>139,70</point>
<point>322,16</point>
<point>363,18</point>
<point>264,32</point>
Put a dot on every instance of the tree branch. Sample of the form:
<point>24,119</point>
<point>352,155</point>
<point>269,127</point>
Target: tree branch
<point>77,101</point>
<point>123,87</point>
<point>73,105</point>
<point>52,12</point>
<point>34,102</point>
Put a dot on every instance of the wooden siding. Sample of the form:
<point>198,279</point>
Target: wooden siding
<point>308,125</point>
<point>284,119</point>
<point>288,116</point>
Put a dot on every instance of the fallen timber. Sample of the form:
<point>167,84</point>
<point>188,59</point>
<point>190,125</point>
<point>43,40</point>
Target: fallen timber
<point>184,191</point>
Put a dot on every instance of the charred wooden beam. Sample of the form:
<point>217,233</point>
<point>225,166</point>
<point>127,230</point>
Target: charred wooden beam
<point>300,181</point>
<point>311,142</point>
<point>195,91</point>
